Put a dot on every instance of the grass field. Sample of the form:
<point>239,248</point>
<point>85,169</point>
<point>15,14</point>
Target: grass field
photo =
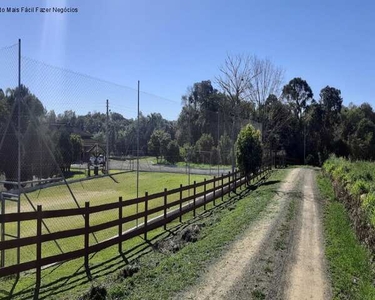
<point>222,225</point>
<point>97,191</point>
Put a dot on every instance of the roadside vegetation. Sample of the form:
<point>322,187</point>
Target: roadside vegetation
<point>357,178</point>
<point>349,261</point>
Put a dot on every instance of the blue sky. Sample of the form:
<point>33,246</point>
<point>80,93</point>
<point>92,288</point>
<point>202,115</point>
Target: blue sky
<point>169,45</point>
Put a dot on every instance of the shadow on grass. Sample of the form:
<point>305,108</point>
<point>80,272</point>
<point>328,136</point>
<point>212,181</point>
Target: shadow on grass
<point>79,277</point>
<point>271,182</point>
<point>72,174</point>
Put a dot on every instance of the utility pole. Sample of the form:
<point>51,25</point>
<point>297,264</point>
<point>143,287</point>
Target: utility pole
<point>190,148</point>
<point>19,148</point>
<point>138,148</point>
<point>233,148</point>
<point>304,144</point>
<point>107,146</point>
<point>218,137</point>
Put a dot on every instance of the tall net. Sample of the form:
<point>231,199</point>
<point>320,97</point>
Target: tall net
<point>68,138</point>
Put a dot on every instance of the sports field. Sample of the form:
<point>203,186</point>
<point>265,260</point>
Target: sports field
<point>97,191</point>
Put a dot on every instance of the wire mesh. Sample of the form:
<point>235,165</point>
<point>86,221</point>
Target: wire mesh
<point>80,137</point>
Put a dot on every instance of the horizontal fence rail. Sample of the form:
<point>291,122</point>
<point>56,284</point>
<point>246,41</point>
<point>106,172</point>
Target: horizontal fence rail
<point>220,186</point>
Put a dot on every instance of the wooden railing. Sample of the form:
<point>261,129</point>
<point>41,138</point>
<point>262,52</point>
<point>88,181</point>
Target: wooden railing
<point>221,186</point>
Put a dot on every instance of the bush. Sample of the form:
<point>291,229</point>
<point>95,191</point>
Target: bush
<point>173,152</point>
<point>357,178</point>
<point>249,150</point>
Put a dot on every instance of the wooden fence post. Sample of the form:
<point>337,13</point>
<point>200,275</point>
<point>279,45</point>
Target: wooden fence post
<point>180,203</point>
<point>229,176</point>
<point>120,225</point>
<point>87,238</point>
<point>165,208</point>
<point>38,251</point>
<point>222,187</point>
<point>214,193</point>
<point>195,191</point>
<point>242,175</point>
<point>146,209</point>
<point>204,196</point>
<point>235,181</point>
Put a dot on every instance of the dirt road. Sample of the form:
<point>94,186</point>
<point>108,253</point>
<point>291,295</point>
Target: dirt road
<point>281,256</point>
<point>307,278</point>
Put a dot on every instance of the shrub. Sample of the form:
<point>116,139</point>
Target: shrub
<point>249,150</point>
<point>357,178</point>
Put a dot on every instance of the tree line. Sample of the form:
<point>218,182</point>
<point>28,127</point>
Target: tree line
<point>247,90</point>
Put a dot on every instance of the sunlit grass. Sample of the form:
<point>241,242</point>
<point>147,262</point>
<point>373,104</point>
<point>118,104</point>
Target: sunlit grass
<point>96,191</point>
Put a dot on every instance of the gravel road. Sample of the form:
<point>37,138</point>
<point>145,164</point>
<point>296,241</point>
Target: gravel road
<point>280,256</point>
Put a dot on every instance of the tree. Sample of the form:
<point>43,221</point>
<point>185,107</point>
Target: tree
<point>235,78</point>
<point>322,119</point>
<point>204,146</point>
<point>68,117</point>
<point>186,152</point>
<point>76,141</point>
<point>215,156</point>
<point>268,81</point>
<point>32,112</point>
<point>65,150</point>
<point>224,148</point>
<point>249,150</point>
<point>235,81</point>
<point>173,152</point>
<point>362,143</point>
<point>158,143</point>
<point>202,96</point>
<point>280,126</point>
<point>330,99</point>
<point>299,94</point>
<point>199,115</point>
<point>367,111</point>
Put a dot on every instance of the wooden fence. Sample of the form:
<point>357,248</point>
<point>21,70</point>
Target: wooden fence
<point>221,186</point>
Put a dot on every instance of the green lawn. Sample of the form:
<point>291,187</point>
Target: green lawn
<point>96,191</point>
<point>161,275</point>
